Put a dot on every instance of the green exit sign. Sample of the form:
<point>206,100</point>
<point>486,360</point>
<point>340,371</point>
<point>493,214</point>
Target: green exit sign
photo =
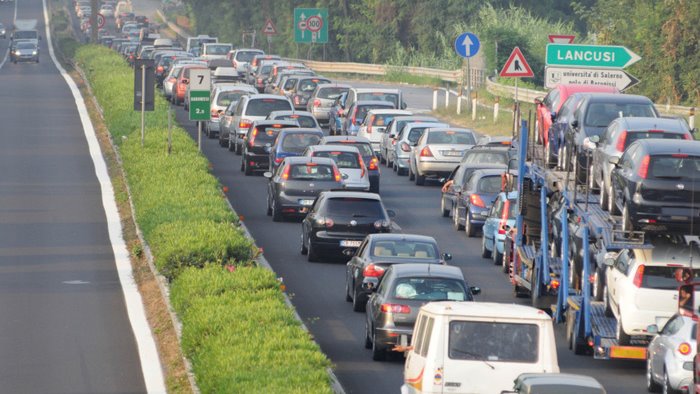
<point>200,105</point>
<point>598,56</point>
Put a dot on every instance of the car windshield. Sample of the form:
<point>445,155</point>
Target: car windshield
<point>217,49</point>
<point>331,93</point>
<point>342,159</point>
<point>489,184</point>
<point>662,277</point>
<point>493,341</point>
<point>404,248</point>
<point>263,107</point>
<point>451,137</point>
<point>642,135</point>
<point>246,56</point>
<point>379,96</point>
<point>493,157</point>
<point>26,45</point>
<point>23,34</point>
<point>226,98</point>
<point>677,166</point>
<point>303,120</point>
<point>297,142</point>
<point>430,289</point>
<point>355,207</point>
<point>601,114</point>
<point>311,172</point>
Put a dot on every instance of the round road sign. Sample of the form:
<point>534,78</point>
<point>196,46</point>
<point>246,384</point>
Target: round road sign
<point>302,25</point>
<point>100,20</point>
<point>314,24</point>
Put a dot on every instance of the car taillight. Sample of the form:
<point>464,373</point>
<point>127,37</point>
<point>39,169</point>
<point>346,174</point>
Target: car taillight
<point>373,271</point>
<point>322,221</point>
<point>159,69</point>
<point>405,147</point>
<point>336,174</point>
<point>244,124</point>
<point>379,224</point>
<point>687,137</point>
<point>317,103</point>
<point>680,155</point>
<point>259,80</point>
<point>476,200</point>
<point>374,164</point>
<point>504,217</point>
<point>278,160</point>
<point>621,142</point>
<point>362,166</point>
<point>214,113</point>
<point>285,173</point>
<point>395,308</point>
<point>425,152</point>
<point>644,167</point>
<point>252,137</point>
<point>684,348</point>
<point>638,276</point>
<point>554,284</point>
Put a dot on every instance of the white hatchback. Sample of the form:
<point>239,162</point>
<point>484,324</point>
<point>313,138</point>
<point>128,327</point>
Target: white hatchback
<point>349,162</point>
<point>375,124</point>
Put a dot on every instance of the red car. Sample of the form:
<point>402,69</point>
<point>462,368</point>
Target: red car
<point>555,98</point>
<point>180,88</point>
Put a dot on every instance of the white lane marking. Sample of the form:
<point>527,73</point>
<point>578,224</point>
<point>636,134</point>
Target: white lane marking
<point>7,51</point>
<point>75,282</point>
<point>148,354</point>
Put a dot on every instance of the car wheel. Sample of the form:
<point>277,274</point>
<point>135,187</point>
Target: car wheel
<point>239,149</point>
<point>378,353</point>
<point>411,176</point>
<point>243,164</point>
<point>606,302</point>
<point>612,207</point>
<point>276,214</point>
<point>357,304</point>
<point>304,250</point>
<point>347,290</point>
<point>603,197</point>
<point>269,211</point>
<point>401,171</point>
<point>485,253</point>
<point>622,338</point>
<point>455,220</point>
<point>652,386</point>
<point>667,388</point>
<point>231,147</point>
<point>469,226</point>
<point>501,259</point>
<point>626,219</point>
<point>222,142</point>
<point>312,256</point>
<point>598,284</point>
<point>443,208</point>
<point>247,170</point>
<point>420,179</point>
<point>368,339</point>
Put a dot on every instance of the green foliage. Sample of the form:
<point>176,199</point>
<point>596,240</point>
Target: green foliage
<point>240,335</point>
<point>237,330</point>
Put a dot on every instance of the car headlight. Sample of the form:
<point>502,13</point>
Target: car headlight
<point>34,52</point>
<point>17,53</point>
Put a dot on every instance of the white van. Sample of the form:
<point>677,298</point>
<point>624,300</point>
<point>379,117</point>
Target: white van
<point>477,347</point>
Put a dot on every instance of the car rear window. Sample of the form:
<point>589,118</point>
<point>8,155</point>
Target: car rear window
<point>342,159</point>
<point>266,70</point>
<point>303,120</point>
<point>513,208</point>
<point>494,157</point>
<point>379,96</point>
<point>678,166</point>
<point>263,107</point>
<point>364,148</point>
<point>246,56</point>
<point>266,134</point>
<point>217,49</point>
<point>362,110</point>
<point>430,289</point>
<point>290,83</point>
<point>661,277</point>
<point>489,184</point>
<point>331,93</point>
<point>493,341</point>
<point>311,172</point>
<point>601,114</point>
<point>642,135</point>
<point>404,248</point>
<point>297,142</point>
<point>225,98</point>
<point>355,207</point>
<point>451,137</point>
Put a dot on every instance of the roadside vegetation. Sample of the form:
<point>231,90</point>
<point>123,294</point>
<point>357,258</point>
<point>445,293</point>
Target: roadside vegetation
<point>237,331</point>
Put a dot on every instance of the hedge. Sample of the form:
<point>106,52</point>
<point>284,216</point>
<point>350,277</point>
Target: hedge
<point>236,328</point>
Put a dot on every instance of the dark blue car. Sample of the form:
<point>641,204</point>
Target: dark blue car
<point>292,142</point>
<point>475,200</point>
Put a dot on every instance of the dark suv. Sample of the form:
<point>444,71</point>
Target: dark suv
<point>592,117</point>
<point>258,142</point>
<point>656,185</point>
<point>340,220</point>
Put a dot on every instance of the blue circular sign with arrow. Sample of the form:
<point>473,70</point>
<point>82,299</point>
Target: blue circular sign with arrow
<point>467,45</point>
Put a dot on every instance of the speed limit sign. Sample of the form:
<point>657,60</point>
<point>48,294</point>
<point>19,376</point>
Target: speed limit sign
<point>314,24</point>
<point>100,20</point>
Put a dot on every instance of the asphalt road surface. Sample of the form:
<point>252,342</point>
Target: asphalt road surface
<point>317,289</point>
<point>63,321</point>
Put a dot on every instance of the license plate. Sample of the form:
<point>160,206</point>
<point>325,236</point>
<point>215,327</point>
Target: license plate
<point>629,352</point>
<point>452,153</point>
<point>350,244</point>
<point>306,202</point>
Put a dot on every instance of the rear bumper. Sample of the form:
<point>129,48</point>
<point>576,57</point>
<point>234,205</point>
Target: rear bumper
<point>635,321</point>
<point>321,114</point>
<point>213,125</point>
<point>257,161</point>
<point>390,337</point>
<point>650,215</point>
<point>324,240</point>
<point>436,167</point>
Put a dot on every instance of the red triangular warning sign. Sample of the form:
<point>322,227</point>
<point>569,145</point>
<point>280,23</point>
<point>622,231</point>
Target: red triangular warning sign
<point>516,66</point>
<point>269,28</point>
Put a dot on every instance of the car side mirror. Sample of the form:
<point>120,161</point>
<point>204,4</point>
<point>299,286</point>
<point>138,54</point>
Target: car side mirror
<point>392,136</point>
<point>391,213</point>
<point>370,284</point>
<point>474,290</point>
<point>267,174</point>
<point>574,124</point>
<point>414,143</point>
<point>590,143</point>
<point>446,256</point>
<point>652,329</point>
<point>609,258</point>
<point>614,160</point>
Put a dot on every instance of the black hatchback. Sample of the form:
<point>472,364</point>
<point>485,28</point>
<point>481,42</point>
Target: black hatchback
<point>340,220</point>
<point>259,140</point>
<point>656,185</point>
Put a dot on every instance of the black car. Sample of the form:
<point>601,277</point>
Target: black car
<point>620,134</point>
<point>380,251</point>
<point>655,185</point>
<point>340,220</point>
<point>591,117</point>
<point>366,151</point>
<point>393,308</point>
<point>258,141</point>
<point>293,188</point>
<point>475,199</point>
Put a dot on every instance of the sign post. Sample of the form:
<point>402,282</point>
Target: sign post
<point>467,45</point>
<point>144,83</point>
<point>311,25</point>
<point>200,101</point>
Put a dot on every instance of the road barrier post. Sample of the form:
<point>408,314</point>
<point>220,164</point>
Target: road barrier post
<point>435,99</point>
<point>447,97</point>
<point>459,105</point>
<point>691,118</point>
<point>474,103</point>
<point>495,109</point>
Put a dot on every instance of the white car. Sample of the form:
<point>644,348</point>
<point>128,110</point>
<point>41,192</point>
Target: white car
<point>406,138</point>
<point>670,356</point>
<point>349,162</point>
<point>438,152</point>
<point>641,286</point>
<point>376,122</point>
<point>389,136</point>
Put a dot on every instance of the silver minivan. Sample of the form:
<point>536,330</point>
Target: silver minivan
<point>251,108</point>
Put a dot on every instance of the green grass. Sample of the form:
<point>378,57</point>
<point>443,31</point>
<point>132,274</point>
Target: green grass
<point>236,327</point>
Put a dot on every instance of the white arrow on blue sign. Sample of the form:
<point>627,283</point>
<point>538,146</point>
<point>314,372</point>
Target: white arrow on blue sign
<point>467,45</point>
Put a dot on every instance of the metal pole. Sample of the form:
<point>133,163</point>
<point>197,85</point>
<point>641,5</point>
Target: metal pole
<point>143,104</point>
<point>474,102</point>
<point>447,96</point>
<point>199,135</point>
<point>469,79</point>
<point>691,117</point>
<point>516,89</point>
<point>170,130</point>
<point>585,285</point>
<point>564,280</point>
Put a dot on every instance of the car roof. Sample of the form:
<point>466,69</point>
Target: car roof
<point>302,130</point>
<point>333,85</point>
<point>422,118</point>
<point>267,96</point>
<point>229,86</point>
<point>667,250</point>
<point>291,112</point>
<point>492,310</point>
<point>339,148</point>
<point>269,122</point>
<point>363,195</point>
<point>308,159</point>
<point>484,172</point>
<point>616,98</point>
<point>424,270</point>
<point>340,138</point>
<point>389,111</point>
<point>645,123</point>
<point>411,125</point>
<point>400,236</point>
<point>533,381</point>
<point>378,90</point>
<point>373,102</point>
<point>458,129</point>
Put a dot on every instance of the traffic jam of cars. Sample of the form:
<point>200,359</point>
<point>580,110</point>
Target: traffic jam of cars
<point>318,145</point>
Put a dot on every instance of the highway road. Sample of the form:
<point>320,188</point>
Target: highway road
<point>317,289</point>
<point>64,325</point>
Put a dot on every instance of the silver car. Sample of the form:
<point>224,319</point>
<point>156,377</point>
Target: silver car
<point>386,146</point>
<point>670,356</point>
<point>251,108</point>
<point>349,162</point>
<point>438,152</point>
<point>322,99</point>
<point>405,139</point>
<point>222,95</point>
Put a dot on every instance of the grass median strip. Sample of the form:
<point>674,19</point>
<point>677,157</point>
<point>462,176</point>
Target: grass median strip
<point>236,328</point>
